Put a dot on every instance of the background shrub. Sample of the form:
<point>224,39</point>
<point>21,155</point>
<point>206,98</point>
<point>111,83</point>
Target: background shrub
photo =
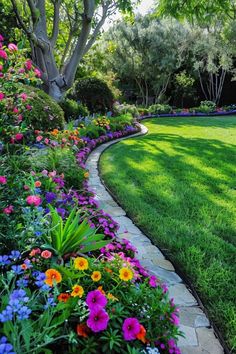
<point>73,110</point>
<point>120,109</point>
<point>160,109</point>
<point>94,93</point>
<point>120,122</point>
<point>209,104</point>
<point>45,113</point>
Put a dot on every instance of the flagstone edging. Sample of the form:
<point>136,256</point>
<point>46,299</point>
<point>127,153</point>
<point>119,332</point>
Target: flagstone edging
<point>199,335</point>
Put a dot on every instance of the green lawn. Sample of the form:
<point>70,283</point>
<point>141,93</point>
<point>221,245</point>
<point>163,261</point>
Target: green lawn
<point>179,184</point>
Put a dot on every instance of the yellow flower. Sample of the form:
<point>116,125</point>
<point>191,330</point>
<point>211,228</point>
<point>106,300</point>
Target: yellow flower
<point>86,174</point>
<point>77,291</point>
<point>96,276</point>
<point>112,297</point>
<point>101,290</point>
<point>126,274</point>
<point>81,263</point>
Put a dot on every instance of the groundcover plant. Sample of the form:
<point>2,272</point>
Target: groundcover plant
<point>67,284</point>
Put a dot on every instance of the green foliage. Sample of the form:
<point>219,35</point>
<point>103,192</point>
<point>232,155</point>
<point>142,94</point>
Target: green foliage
<point>120,122</point>
<point>73,110</point>
<point>209,104</point>
<point>72,235</point>
<point>122,109</point>
<point>160,109</point>
<point>94,93</point>
<point>45,114</point>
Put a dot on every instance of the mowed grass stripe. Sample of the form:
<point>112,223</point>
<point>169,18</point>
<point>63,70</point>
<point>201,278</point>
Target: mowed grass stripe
<point>179,184</point>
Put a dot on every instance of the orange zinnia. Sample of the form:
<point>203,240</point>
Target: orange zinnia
<point>83,330</point>
<point>96,276</point>
<point>77,291</point>
<point>63,297</point>
<point>52,277</point>
<point>142,334</point>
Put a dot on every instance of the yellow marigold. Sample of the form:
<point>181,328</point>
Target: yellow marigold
<point>77,291</point>
<point>55,132</point>
<point>86,174</point>
<point>81,263</point>
<point>112,297</point>
<point>126,274</point>
<point>52,277</point>
<point>96,276</point>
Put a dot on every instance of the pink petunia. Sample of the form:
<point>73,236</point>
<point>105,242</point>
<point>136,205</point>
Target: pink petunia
<point>130,328</point>
<point>98,320</point>
<point>3,54</point>
<point>37,72</point>
<point>3,180</point>
<point>153,281</point>
<point>15,110</point>
<point>34,200</point>
<point>28,65</point>
<point>24,96</point>
<point>1,67</point>
<point>19,136</point>
<point>1,96</point>
<point>12,47</point>
<point>8,210</point>
<point>39,138</point>
<point>96,298</point>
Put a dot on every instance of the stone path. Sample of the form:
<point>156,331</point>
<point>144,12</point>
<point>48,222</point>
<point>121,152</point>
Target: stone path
<point>199,335</point>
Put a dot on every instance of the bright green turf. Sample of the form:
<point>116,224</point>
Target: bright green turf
<point>179,184</point>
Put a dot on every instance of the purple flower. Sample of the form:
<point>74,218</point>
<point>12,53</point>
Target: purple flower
<point>98,320</point>
<point>15,255</point>
<point>50,197</point>
<point>5,348</point>
<point>130,328</point>
<point>153,281</point>
<point>61,211</point>
<point>6,315</point>
<point>95,298</point>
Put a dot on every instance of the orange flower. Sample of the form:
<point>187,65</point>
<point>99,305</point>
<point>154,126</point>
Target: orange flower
<point>108,270</point>
<point>83,330</point>
<point>52,277</point>
<point>96,276</point>
<point>77,291</point>
<point>126,274</point>
<point>24,266</point>
<point>101,290</point>
<point>81,263</point>
<point>37,184</point>
<point>63,297</point>
<point>55,132</point>
<point>86,174</point>
<point>142,334</point>
<point>112,297</point>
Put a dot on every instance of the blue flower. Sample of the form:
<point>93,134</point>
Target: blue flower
<point>6,315</point>
<point>17,269</point>
<point>5,348</point>
<point>50,303</point>
<point>23,313</point>
<point>4,260</point>
<point>14,255</point>
<point>37,190</point>
<point>38,233</point>
<point>22,283</point>
<point>20,295</point>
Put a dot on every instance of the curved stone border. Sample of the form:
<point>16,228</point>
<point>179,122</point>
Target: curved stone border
<point>199,335</point>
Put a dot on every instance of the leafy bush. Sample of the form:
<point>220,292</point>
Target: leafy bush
<point>73,110</point>
<point>93,131</point>
<point>209,104</point>
<point>120,122</point>
<point>160,109</point>
<point>120,109</point>
<point>45,113</point>
<point>94,93</point>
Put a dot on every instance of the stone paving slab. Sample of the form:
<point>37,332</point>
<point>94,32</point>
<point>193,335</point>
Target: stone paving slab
<point>198,335</point>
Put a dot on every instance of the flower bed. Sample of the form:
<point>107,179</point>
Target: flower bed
<point>67,284</point>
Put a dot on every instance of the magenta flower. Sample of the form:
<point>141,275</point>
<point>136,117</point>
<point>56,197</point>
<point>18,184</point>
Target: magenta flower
<point>34,200</point>
<point>95,298</point>
<point>3,180</point>
<point>130,328</point>
<point>98,320</point>
<point>1,38</point>
<point>8,210</point>
<point>153,281</point>
<point>37,72</point>
<point>1,96</point>
<point>19,136</point>
<point>3,54</point>
<point>28,64</point>
<point>174,319</point>
<point>24,96</point>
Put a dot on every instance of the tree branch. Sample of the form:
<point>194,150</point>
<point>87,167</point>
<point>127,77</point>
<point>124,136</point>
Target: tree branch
<point>33,11</point>
<point>56,20</point>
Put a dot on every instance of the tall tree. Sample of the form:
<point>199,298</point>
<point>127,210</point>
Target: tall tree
<point>61,32</point>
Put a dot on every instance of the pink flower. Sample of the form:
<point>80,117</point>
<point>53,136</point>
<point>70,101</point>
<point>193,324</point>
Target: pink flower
<point>39,138</point>
<point>20,118</point>
<point>26,188</point>
<point>1,67</point>
<point>24,96</point>
<point>153,281</point>
<point>1,96</point>
<point>34,200</point>
<point>19,136</point>
<point>37,72</point>
<point>46,141</point>
<point>130,328</point>
<point>1,38</point>
<point>44,172</point>
<point>174,319</point>
<point>28,107</point>
<point>95,298</point>
<point>3,180</point>
<point>21,70</point>
<point>52,174</point>
<point>3,54</point>
<point>46,254</point>
<point>8,210</point>
<point>15,110</point>
<point>98,320</point>
<point>12,47</point>
<point>28,64</point>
